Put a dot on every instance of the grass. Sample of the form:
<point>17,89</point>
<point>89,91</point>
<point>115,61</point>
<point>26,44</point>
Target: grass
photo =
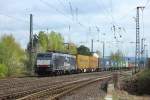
<point>122,95</point>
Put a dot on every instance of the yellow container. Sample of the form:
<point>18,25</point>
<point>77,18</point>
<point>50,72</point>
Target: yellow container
<point>82,62</point>
<point>93,62</point>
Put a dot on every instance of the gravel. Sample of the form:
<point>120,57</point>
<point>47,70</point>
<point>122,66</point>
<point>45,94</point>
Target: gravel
<point>89,92</point>
<point>9,86</point>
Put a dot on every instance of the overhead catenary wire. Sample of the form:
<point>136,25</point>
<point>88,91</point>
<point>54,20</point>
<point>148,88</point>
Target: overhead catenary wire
<point>109,13</point>
<point>71,10</point>
<point>20,20</point>
<point>69,18</point>
<point>147,3</point>
<point>127,13</point>
<point>62,13</point>
<point>112,11</point>
<point>106,11</point>
<point>51,6</point>
<point>76,14</point>
<point>110,16</point>
<point>12,17</point>
<point>62,4</point>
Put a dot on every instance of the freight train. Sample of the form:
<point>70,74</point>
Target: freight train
<point>56,63</point>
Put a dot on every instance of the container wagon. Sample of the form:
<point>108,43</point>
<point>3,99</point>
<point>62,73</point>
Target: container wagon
<point>87,63</point>
<point>93,63</point>
<point>82,63</point>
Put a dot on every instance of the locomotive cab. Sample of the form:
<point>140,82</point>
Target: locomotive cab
<point>44,63</point>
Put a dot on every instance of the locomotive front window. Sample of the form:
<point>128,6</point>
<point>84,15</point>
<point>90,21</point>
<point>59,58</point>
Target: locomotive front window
<point>44,56</point>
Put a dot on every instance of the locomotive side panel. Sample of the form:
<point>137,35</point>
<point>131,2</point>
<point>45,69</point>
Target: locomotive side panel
<point>64,62</point>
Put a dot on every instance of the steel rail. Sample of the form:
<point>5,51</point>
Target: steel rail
<point>57,91</point>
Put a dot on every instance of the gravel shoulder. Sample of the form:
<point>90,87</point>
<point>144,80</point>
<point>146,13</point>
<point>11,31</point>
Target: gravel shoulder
<point>89,92</point>
<point>123,95</point>
<point>14,85</point>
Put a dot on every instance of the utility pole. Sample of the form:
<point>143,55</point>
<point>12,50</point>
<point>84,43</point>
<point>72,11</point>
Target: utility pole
<point>103,54</point>
<point>47,30</point>
<point>103,50</point>
<point>31,44</point>
<point>144,55</point>
<point>137,51</point>
<point>69,36</point>
<point>31,30</point>
<point>142,51</point>
<point>92,45</point>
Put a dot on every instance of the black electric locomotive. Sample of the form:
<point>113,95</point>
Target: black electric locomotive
<point>55,63</point>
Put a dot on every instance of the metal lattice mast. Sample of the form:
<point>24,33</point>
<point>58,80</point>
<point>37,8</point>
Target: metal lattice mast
<point>137,51</point>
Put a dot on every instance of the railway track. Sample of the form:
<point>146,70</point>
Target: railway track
<point>57,91</point>
<point>16,87</point>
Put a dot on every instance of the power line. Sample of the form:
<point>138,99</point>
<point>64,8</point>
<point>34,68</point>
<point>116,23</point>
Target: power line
<point>51,6</point>
<point>61,3</point>
<point>76,14</point>
<point>60,12</point>
<point>102,6</point>
<point>12,17</point>
<point>20,20</point>
<point>110,15</point>
<point>71,10</point>
<point>147,3</point>
<point>126,14</point>
<point>111,7</point>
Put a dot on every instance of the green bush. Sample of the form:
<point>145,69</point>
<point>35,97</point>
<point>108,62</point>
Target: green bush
<point>11,56</point>
<point>3,70</point>
<point>139,84</point>
<point>143,82</point>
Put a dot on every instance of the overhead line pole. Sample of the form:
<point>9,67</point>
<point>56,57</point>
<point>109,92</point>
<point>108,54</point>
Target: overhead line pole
<point>142,51</point>
<point>92,45</point>
<point>31,44</point>
<point>103,54</point>
<point>137,50</point>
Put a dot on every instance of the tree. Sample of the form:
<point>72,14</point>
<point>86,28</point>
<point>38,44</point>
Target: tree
<point>83,50</point>
<point>117,57</point>
<point>55,42</point>
<point>72,48</point>
<point>43,41</point>
<point>11,55</point>
<point>51,41</point>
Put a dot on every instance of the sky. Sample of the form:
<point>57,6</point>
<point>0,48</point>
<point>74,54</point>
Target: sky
<point>87,19</point>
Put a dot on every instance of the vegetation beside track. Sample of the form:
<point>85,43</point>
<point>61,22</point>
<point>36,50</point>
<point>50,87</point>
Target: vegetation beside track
<point>14,59</point>
<point>139,84</point>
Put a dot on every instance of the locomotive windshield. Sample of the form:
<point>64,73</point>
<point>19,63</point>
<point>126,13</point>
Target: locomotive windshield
<point>44,56</point>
